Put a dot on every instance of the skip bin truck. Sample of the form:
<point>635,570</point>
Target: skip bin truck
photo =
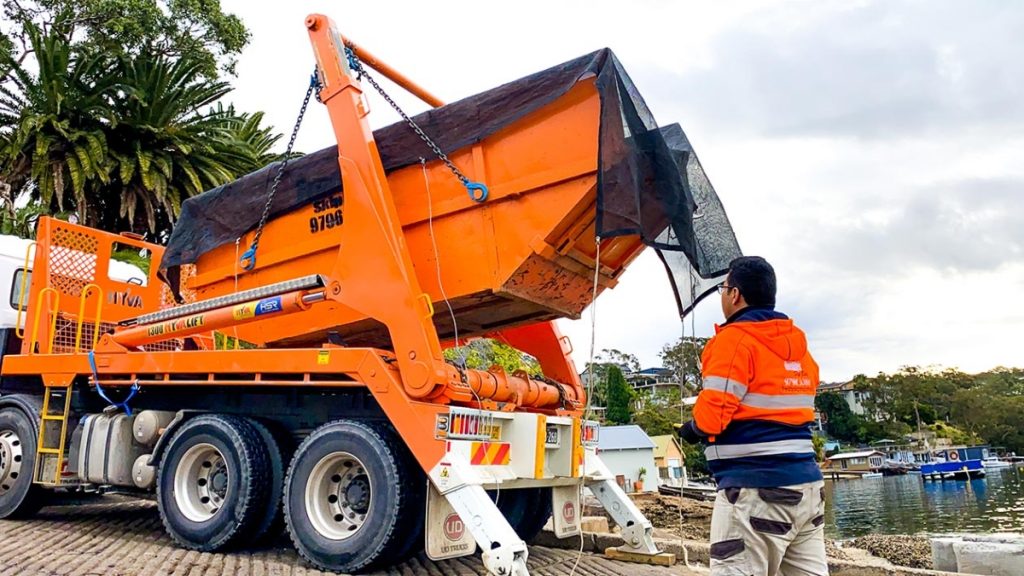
<point>347,273</point>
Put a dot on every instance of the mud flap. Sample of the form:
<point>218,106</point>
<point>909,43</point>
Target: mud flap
<point>565,510</point>
<point>446,534</point>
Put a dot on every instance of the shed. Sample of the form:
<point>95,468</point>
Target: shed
<point>626,450</point>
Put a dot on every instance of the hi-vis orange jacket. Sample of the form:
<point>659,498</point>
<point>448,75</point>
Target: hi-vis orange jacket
<point>756,370</point>
<point>758,402</point>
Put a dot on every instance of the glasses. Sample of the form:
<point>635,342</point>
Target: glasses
<point>723,287</point>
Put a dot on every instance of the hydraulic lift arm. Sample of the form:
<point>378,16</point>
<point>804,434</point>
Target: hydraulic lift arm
<point>373,244</point>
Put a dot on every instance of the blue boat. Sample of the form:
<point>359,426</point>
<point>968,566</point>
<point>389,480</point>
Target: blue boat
<point>956,464</point>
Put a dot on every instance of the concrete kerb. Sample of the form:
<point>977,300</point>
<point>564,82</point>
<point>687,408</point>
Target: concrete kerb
<point>699,553</point>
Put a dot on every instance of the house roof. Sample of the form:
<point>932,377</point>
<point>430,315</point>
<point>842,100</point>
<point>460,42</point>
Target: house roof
<point>834,386</point>
<point>629,437</point>
<point>662,443</point>
<point>654,370</point>
<point>847,455</point>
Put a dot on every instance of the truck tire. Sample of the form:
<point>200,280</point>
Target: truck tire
<point>272,523</point>
<point>214,482</point>
<point>19,497</point>
<point>350,500</point>
<point>526,509</point>
<point>411,536</point>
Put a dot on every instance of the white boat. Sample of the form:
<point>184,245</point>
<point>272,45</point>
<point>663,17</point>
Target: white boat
<point>871,475</point>
<point>993,462</point>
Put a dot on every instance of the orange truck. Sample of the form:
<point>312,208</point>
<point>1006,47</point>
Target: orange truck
<point>281,362</point>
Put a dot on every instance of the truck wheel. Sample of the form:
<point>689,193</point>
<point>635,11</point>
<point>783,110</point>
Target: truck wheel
<point>526,509</point>
<point>213,483</point>
<point>349,499</point>
<point>19,497</point>
<point>272,523</point>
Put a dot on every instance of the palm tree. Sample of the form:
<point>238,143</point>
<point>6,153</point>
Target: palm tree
<point>131,137</point>
<point>169,142</point>
<point>53,122</point>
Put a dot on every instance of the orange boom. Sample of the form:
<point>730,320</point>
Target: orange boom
<point>287,344</point>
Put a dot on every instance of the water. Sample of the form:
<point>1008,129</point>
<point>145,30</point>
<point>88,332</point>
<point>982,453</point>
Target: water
<point>908,505</point>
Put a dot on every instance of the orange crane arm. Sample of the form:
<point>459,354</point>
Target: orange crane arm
<point>393,75</point>
<point>372,241</point>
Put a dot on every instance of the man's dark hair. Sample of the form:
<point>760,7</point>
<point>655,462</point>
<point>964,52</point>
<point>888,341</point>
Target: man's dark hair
<point>755,278</point>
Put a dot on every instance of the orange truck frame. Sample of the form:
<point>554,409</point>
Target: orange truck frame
<point>367,454</point>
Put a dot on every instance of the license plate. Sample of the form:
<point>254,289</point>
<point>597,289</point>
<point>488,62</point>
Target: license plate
<point>552,435</point>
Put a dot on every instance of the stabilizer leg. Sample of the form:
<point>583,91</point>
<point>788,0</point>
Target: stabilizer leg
<point>504,552</point>
<point>637,530</point>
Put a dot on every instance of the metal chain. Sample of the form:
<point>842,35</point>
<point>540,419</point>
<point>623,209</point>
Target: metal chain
<point>477,190</point>
<point>248,260</point>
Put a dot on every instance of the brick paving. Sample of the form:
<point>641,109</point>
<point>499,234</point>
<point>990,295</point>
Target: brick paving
<point>115,536</point>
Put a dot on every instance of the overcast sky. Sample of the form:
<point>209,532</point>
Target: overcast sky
<point>872,151</point>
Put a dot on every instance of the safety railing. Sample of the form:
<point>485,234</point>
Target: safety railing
<point>54,310</point>
<point>81,316</point>
<point>18,330</point>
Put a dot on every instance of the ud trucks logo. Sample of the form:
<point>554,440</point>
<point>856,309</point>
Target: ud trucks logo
<point>125,298</point>
<point>453,527</point>
<point>569,512</point>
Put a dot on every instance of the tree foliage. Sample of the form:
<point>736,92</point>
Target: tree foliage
<point>16,220</point>
<point>122,139</point>
<point>595,376</point>
<point>197,29</point>
<point>484,353</point>
<point>620,397</point>
<point>659,411</point>
<point>965,408</point>
<point>682,358</point>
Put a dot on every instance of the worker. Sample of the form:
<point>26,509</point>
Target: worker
<point>753,417</point>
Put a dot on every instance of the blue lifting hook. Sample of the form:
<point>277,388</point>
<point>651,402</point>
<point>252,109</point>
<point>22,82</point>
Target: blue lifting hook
<point>477,191</point>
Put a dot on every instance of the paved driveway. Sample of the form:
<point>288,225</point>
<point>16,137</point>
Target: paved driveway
<point>118,536</point>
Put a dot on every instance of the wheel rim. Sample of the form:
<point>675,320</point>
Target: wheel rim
<point>10,459</point>
<point>339,495</point>
<point>201,482</point>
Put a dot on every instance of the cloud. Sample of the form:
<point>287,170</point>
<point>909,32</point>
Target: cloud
<point>961,226</point>
<point>880,70</point>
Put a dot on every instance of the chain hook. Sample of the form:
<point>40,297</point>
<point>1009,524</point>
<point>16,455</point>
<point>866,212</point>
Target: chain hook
<point>477,190</point>
<point>248,259</point>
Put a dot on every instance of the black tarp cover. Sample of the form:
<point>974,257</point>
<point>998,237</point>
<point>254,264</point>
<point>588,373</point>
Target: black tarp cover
<point>649,181</point>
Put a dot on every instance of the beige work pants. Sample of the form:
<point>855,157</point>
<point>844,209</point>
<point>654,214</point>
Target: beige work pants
<point>769,531</point>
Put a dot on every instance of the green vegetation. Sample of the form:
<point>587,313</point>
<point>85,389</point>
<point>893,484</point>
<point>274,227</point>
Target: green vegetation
<point>483,353</point>
<point>620,397</point>
<point>113,109</point>
<point>683,359</point>
<point>966,408</point>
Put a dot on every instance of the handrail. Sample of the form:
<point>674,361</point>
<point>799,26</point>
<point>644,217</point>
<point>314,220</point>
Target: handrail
<point>53,323</point>
<point>18,330</point>
<point>81,316</point>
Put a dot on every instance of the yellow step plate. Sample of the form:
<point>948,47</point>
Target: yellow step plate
<point>663,559</point>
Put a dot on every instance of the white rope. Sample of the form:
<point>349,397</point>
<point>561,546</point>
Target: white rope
<point>235,328</point>
<point>590,380</point>
<point>682,382</point>
<point>440,285</point>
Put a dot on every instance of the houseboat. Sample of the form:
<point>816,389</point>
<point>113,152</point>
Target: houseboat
<point>956,463</point>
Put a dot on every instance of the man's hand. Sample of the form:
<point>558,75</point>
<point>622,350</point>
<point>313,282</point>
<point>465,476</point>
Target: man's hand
<point>689,433</point>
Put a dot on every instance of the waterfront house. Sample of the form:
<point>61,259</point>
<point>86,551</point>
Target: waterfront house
<point>854,398</point>
<point>853,463</point>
